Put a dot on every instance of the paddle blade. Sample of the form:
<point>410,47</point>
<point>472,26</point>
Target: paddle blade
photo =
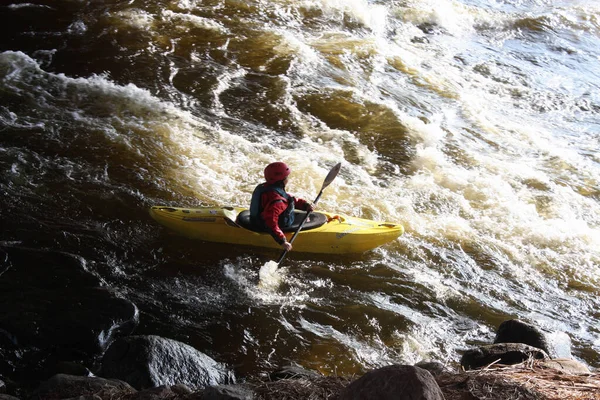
<point>331,175</point>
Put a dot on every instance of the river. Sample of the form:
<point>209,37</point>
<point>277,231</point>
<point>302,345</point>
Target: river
<point>473,123</point>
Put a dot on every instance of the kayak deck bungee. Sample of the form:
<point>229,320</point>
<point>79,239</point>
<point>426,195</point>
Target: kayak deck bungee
<point>323,232</point>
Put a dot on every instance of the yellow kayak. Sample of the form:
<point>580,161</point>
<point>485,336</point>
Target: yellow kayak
<point>323,232</point>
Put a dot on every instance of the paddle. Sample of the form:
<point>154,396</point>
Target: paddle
<point>328,179</point>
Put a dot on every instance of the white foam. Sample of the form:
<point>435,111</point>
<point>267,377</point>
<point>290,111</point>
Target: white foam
<point>270,276</point>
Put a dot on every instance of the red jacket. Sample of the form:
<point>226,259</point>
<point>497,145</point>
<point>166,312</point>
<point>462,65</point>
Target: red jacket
<point>273,204</point>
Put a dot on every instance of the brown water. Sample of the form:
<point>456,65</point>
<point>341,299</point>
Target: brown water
<point>474,124</point>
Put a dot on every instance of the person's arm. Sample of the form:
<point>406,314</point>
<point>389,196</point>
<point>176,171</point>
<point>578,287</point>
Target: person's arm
<point>302,204</point>
<point>275,206</point>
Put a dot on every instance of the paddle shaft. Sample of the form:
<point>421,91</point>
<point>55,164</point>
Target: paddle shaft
<point>328,179</point>
<point>282,256</point>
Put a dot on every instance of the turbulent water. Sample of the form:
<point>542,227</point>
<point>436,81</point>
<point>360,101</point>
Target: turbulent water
<point>474,123</point>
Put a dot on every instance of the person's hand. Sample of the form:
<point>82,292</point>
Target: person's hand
<point>310,207</point>
<point>287,246</point>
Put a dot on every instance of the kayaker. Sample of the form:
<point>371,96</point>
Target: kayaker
<point>272,207</point>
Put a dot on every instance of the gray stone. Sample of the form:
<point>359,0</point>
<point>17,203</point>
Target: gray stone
<point>152,361</point>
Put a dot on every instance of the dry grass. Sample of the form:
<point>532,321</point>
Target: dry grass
<point>317,388</point>
<point>524,381</point>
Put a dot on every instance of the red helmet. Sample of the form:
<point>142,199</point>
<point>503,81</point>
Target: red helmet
<point>276,172</point>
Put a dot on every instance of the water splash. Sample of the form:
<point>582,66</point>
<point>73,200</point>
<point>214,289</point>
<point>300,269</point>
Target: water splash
<point>270,276</point>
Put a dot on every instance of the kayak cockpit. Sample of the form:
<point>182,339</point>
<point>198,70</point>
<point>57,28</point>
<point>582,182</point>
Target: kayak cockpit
<point>314,220</point>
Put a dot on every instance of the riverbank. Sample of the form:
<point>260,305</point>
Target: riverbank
<point>524,362</point>
<point>528,380</point>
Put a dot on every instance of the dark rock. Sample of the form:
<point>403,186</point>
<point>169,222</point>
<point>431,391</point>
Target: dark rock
<point>157,393</point>
<point>506,353</point>
<point>151,361</point>
<point>2,387</point>
<point>434,367</point>
<point>420,39</point>
<point>227,392</point>
<point>292,371</point>
<point>71,368</point>
<point>429,27</point>
<point>7,397</point>
<point>66,386</point>
<point>50,301</point>
<point>555,344</point>
<point>394,382</point>
<point>181,389</point>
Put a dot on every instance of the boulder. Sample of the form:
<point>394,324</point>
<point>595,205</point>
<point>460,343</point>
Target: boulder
<point>555,344</point>
<point>394,382</point>
<point>68,386</point>
<point>506,353</point>
<point>152,361</point>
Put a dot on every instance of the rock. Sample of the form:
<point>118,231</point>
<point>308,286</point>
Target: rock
<point>555,344</point>
<point>151,361</point>
<point>434,367</point>
<point>292,371</point>
<point>181,389</point>
<point>394,382</point>
<point>2,387</point>
<point>7,397</point>
<point>50,301</point>
<point>567,365</point>
<point>72,368</point>
<point>507,353</point>
<point>67,386</point>
<point>227,392</point>
<point>157,393</point>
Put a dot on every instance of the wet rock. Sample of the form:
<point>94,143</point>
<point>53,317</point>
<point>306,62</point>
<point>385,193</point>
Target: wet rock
<point>50,301</point>
<point>394,382</point>
<point>67,386</point>
<point>157,393</point>
<point>420,39</point>
<point>151,361</point>
<point>555,344</point>
<point>181,389</point>
<point>226,392</point>
<point>292,371</point>
<point>434,367</point>
<point>71,368</point>
<point>503,353</point>
<point>567,365</point>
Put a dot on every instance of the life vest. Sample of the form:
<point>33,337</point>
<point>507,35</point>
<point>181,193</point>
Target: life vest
<point>285,219</point>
